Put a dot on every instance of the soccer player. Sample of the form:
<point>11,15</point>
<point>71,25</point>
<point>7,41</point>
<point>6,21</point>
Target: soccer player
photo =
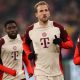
<point>77,53</point>
<point>12,55</point>
<point>47,37</point>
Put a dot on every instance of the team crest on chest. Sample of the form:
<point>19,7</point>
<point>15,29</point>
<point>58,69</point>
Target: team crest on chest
<point>44,34</point>
<point>14,48</point>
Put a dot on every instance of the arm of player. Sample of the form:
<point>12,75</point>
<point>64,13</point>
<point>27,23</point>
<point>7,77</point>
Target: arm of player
<point>1,72</point>
<point>26,47</point>
<point>76,58</point>
<point>57,40</point>
<point>7,70</point>
<point>67,44</point>
<point>27,64</point>
<point>27,41</point>
<point>66,40</point>
<point>1,75</point>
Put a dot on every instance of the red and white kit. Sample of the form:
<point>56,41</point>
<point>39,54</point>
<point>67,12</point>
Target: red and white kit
<point>49,57</point>
<point>12,57</point>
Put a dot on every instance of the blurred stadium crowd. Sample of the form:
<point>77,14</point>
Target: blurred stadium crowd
<point>66,12</point>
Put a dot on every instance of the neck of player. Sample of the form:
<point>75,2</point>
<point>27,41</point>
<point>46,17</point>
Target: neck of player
<point>43,23</point>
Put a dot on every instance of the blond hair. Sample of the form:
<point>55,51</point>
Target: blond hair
<point>40,3</point>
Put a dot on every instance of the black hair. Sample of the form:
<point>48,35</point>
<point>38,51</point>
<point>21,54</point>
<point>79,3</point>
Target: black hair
<point>8,22</point>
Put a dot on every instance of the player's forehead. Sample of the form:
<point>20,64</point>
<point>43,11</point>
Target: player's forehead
<point>11,25</point>
<point>42,7</point>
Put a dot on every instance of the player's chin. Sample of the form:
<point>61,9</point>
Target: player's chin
<point>45,20</point>
<point>13,36</point>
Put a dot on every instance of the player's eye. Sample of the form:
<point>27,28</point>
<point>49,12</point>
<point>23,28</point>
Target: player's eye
<point>46,10</point>
<point>9,28</point>
<point>14,27</point>
<point>41,10</point>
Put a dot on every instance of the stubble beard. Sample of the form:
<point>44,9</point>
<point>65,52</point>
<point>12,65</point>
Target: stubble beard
<point>45,21</point>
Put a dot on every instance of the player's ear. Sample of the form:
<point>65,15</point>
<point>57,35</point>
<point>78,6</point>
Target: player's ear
<point>5,30</point>
<point>36,14</point>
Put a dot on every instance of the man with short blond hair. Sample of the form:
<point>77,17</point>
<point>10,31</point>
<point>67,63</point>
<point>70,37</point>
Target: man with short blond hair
<point>47,37</point>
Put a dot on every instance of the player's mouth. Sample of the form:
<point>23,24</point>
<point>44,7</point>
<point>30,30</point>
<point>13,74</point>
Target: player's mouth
<point>13,33</point>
